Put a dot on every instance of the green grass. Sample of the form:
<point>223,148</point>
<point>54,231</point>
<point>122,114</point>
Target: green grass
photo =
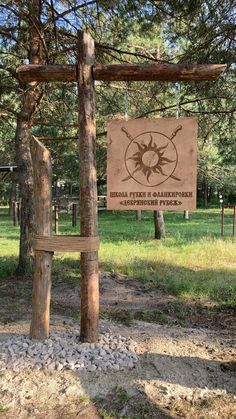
<point>194,261</point>
<point>119,404</point>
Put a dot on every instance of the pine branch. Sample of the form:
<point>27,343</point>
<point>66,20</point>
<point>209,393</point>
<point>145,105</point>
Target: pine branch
<point>134,54</point>
<point>74,9</point>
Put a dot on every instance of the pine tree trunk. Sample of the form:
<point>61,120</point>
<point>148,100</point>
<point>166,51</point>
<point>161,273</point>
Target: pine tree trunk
<point>32,97</point>
<point>25,176</point>
<point>159,225</point>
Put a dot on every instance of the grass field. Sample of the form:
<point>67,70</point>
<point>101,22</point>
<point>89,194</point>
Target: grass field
<point>194,261</point>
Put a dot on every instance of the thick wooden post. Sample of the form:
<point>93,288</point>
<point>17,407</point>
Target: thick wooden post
<point>43,260</point>
<point>88,188</point>
<point>56,219</point>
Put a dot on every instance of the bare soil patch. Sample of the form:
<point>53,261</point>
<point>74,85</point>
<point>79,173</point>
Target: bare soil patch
<point>125,299</point>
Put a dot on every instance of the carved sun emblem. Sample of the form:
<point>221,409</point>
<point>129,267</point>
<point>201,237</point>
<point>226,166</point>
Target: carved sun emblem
<point>151,157</point>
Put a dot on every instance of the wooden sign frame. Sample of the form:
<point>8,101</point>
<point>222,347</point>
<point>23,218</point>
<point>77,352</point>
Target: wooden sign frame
<point>152,164</point>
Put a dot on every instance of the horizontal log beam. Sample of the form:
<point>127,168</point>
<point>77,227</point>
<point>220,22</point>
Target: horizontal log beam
<point>123,72</point>
<point>158,72</point>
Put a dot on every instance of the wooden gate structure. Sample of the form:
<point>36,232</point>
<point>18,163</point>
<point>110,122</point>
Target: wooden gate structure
<point>85,72</point>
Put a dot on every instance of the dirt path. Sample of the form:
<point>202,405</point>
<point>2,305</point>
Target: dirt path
<point>184,372</point>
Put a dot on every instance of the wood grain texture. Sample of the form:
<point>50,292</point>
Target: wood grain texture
<point>155,72</point>
<point>88,189</point>
<point>123,72</point>
<point>152,164</point>
<point>66,243</point>
<point>42,173</point>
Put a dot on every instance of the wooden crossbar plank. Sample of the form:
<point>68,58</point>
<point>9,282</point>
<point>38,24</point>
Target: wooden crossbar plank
<point>123,72</point>
<point>66,243</point>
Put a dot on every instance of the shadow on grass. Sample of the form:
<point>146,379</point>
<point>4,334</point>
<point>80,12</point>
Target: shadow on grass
<point>8,266</point>
<point>10,237</point>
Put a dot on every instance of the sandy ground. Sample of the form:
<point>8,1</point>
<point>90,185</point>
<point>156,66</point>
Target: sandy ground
<point>184,372</point>
<point>176,365</point>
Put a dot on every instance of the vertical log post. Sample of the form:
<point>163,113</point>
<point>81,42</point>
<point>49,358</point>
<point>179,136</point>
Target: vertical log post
<point>74,215</point>
<point>88,188</point>
<point>234,219</point>
<point>222,219</point>
<point>43,260</point>
<point>56,219</point>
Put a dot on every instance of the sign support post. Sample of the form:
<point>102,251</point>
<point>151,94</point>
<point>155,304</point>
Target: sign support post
<point>89,291</point>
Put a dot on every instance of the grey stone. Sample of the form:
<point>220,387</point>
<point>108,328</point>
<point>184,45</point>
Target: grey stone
<point>92,368</point>
<point>59,366</point>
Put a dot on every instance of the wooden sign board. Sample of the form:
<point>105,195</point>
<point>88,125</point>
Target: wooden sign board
<point>152,164</point>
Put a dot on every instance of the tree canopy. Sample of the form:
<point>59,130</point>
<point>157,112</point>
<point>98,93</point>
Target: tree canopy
<point>136,31</point>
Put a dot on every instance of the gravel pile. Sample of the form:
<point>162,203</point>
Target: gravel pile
<point>63,351</point>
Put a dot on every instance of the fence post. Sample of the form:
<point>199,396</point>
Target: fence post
<point>88,188</point>
<point>234,219</point>
<point>74,215</point>
<point>222,219</point>
<point>39,328</point>
<point>18,212</point>
<point>14,213</point>
<point>186,215</point>
<point>56,219</point>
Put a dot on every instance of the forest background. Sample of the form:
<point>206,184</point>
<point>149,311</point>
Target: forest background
<point>138,31</point>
